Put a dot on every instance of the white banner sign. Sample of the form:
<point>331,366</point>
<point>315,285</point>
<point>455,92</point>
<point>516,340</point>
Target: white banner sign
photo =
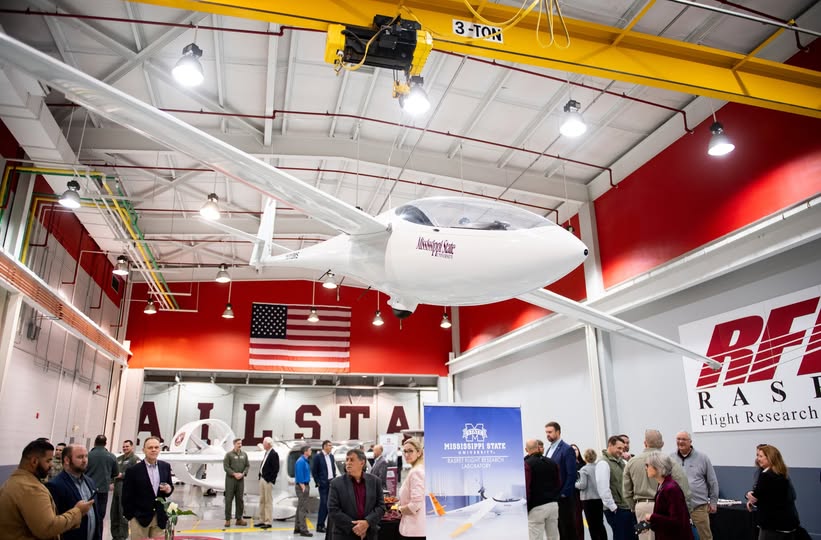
<point>770,376</point>
<point>281,413</point>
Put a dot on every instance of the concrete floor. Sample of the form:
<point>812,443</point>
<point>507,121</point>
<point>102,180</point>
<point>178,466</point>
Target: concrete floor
<point>208,523</point>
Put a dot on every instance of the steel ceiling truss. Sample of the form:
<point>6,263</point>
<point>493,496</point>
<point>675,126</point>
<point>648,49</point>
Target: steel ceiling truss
<point>596,50</point>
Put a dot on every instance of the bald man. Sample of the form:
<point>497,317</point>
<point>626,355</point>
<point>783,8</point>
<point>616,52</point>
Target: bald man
<point>543,489</point>
<point>380,465</point>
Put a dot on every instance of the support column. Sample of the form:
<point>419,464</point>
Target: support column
<point>16,220</point>
<point>593,367</point>
<point>592,266</point>
<point>8,329</point>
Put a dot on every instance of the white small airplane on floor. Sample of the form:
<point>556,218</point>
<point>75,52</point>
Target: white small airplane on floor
<point>441,251</point>
<point>475,512</point>
<point>199,463</point>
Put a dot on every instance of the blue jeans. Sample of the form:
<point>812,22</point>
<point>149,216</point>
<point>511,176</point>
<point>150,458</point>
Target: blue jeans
<point>621,522</point>
<point>323,504</point>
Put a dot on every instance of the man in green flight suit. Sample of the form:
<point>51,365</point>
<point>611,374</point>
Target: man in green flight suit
<point>119,525</point>
<point>236,467</point>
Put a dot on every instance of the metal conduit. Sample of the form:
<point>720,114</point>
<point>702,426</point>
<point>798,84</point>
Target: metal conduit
<point>139,259</point>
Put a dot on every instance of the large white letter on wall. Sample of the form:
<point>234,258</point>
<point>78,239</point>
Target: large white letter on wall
<point>771,365</point>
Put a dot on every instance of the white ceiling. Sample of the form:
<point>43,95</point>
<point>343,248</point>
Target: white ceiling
<point>359,161</point>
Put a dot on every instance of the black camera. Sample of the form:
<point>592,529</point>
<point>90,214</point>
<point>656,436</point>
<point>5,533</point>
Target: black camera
<point>642,526</point>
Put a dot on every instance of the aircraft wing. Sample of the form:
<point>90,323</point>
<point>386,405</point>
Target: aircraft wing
<point>479,510</point>
<point>193,459</point>
<point>555,302</point>
<point>175,134</point>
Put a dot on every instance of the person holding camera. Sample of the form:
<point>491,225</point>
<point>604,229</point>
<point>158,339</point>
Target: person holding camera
<point>670,519</point>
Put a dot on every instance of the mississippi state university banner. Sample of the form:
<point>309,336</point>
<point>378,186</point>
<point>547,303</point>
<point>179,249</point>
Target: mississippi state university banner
<point>474,473</point>
<point>770,355</point>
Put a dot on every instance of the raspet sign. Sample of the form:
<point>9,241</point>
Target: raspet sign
<point>770,355</point>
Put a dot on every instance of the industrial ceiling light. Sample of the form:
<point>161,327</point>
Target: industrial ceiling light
<point>415,100</point>
<point>720,144</point>
<point>412,383</point>
<point>71,197</point>
<point>211,210</point>
<point>377,319</point>
<point>573,124</point>
<point>222,275</point>
<point>121,269</point>
<point>330,281</point>
<point>229,311</point>
<point>150,307</point>
<point>188,71</point>
<point>381,382</point>
<point>313,316</point>
<point>445,321</point>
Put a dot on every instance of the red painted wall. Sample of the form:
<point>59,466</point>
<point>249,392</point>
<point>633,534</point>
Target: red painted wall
<point>480,324</point>
<point>683,198</point>
<point>204,340</point>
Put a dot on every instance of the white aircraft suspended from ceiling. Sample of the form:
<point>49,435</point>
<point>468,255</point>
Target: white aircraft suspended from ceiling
<point>453,251</point>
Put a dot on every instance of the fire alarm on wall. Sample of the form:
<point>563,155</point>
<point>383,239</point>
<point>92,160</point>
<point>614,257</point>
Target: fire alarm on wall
<point>96,388</point>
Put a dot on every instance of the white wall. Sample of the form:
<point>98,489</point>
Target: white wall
<point>647,386</point>
<point>549,384</point>
<point>50,390</point>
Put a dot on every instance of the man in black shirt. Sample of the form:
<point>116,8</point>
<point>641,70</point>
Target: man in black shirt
<point>543,490</point>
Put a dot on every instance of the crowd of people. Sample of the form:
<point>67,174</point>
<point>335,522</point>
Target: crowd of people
<point>62,491</point>
<point>647,496</point>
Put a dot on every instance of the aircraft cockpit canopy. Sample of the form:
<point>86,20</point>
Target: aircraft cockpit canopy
<point>467,213</point>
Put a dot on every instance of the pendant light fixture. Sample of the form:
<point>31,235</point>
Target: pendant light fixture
<point>412,97</point>
<point>313,316</point>
<point>330,280</point>
<point>188,71</point>
<point>150,307</point>
<point>720,144</point>
<point>222,274</point>
<point>229,310</point>
<point>445,321</point>
<point>71,196</point>
<point>377,319</point>
<point>121,269</point>
<point>211,210</point>
<point>573,124</point>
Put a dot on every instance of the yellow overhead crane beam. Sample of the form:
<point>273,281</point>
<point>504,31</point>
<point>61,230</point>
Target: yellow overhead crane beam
<point>595,49</point>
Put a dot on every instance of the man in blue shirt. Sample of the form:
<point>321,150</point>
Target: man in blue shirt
<point>302,478</point>
<point>565,457</point>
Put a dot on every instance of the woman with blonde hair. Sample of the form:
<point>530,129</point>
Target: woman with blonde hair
<point>774,496</point>
<point>412,492</point>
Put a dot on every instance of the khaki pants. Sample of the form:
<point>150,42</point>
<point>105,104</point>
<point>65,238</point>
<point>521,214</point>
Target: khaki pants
<point>541,519</point>
<point>642,509</point>
<point>700,515</point>
<point>265,501</point>
<point>138,532</point>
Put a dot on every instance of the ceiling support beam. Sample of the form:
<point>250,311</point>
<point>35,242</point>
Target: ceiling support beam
<point>270,84</point>
<point>598,50</point>
<point>119,141</point>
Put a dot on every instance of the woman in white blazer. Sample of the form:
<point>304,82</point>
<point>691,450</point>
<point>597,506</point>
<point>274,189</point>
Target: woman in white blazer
<point>412,492</point>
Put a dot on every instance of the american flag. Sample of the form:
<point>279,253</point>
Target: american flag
<point>282,339</point>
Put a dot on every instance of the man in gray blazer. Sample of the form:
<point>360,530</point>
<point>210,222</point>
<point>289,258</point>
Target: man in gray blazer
<point>355,503</point>
<point>380,465</point>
